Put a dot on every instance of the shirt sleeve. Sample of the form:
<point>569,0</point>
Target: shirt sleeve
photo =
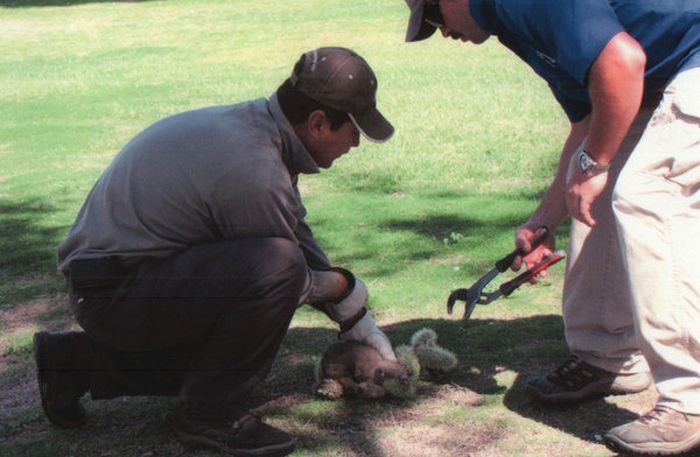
<point>572,33</point>
<point>266,208</point>
<point>265,202</point>
<point>573,99</point>
<point>315,257</point>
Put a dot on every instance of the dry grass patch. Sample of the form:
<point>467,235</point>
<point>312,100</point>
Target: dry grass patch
<point>443,440</point>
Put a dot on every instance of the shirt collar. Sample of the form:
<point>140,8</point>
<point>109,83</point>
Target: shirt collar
<point>294,153</point>
<point>484,12</point>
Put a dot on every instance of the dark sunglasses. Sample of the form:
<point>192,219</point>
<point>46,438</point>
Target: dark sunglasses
<point>433,16</point>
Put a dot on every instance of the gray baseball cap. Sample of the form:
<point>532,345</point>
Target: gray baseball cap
<point>418,28</point>
<point>341,79</point>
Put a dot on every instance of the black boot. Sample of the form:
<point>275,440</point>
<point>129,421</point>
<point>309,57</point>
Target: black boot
<point>62,378</point>
<point>245,436</point>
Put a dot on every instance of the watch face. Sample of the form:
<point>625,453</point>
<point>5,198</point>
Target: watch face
<point>583,162</point>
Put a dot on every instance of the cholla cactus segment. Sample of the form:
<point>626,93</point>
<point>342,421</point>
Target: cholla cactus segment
<point>407,357</point>
<point>394,387</point>
<point>424,337</point>
<point>430,355</point>
<point>436,358</point>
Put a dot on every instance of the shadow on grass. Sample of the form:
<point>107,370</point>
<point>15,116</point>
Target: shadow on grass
<point>437,236</point>
<point>34,3</point>
<point>28,260</point>
<point>26,246</point>
<point>486,350</point>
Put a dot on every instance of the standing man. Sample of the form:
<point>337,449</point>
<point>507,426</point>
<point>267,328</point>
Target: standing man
<point>627,74</point>
<point>191,253</point>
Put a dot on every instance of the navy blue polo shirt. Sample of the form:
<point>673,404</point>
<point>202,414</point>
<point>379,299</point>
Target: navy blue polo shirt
<point>560,39</point>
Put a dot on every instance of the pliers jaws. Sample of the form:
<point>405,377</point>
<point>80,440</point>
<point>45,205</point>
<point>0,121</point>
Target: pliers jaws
<point>475,294</point>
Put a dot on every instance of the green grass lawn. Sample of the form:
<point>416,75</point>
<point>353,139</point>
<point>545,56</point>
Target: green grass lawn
<point>476,144</point>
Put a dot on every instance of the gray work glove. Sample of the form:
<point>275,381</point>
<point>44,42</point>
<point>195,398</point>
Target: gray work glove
<point>366,331</point>
<point>349,311</point>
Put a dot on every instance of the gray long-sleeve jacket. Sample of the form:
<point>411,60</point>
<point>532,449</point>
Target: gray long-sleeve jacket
<point>218,173</point>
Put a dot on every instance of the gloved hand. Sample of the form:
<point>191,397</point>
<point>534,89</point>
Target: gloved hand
<point>366,331</point>
<point>349,310</point>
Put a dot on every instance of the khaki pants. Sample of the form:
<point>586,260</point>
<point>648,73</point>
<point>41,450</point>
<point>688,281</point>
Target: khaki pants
<point>632,290</point>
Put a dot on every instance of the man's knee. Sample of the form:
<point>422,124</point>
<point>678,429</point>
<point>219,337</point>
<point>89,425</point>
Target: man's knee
<point>281,266</point>
<point>285,257</point>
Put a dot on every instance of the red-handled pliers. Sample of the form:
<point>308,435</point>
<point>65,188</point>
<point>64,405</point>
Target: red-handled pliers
<point>476,295</point>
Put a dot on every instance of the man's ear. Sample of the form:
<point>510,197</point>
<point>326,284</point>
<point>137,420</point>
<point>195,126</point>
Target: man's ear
<point>316,122</point>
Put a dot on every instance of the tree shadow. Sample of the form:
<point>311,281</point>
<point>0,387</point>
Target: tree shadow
<point>35,3</point>
<point>471,233</point>
<point>25,245</point>
<point>28,248</point>
<point>517,193</point>
<point>439,235</point>
<point>486,348</point>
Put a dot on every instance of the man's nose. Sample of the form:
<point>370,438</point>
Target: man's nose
<point>449,33</point>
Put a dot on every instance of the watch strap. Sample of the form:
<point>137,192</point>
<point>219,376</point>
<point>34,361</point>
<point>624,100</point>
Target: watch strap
<point>589,166</point>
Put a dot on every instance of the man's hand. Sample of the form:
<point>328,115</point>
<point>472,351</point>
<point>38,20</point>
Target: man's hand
<point>523,237</point>
<point>582,191</point>
<point>366,331</point>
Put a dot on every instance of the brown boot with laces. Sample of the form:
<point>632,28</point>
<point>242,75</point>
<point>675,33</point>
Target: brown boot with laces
<point>661,431</point>
<point>575,381</point>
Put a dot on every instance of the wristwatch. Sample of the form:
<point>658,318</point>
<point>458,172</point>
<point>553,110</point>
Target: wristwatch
<point>590,167</point>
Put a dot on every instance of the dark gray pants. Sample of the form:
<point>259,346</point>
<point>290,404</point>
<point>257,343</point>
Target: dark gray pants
<point>205,323</point>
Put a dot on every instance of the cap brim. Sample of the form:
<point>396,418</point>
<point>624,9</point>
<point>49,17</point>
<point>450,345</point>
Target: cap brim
<point>418,29</point>
<point>373,126</point>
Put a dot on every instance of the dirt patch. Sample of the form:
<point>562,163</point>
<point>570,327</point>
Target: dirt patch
<point>457,395</point>
<point>47,313</point>
<point>21,316</point>
<point>441,440</point>
<point>51,313</point>
<point>21,391</point>
<point>19,396</point>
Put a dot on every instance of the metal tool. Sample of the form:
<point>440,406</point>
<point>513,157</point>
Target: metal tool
<point>476,295</point>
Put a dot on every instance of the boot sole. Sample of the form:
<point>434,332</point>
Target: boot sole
<point>684,447</point>
<point>567,398</point>
<point>40,358</point>
<point>193,441</point>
